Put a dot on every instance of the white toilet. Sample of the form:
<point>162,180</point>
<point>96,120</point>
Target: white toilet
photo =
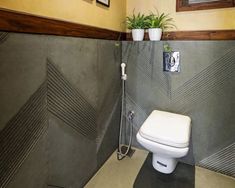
<point>167,136</point>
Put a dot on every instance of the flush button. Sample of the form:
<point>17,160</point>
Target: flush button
<point>171,61</point>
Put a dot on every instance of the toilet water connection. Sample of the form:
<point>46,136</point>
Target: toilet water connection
<point>130,116</point>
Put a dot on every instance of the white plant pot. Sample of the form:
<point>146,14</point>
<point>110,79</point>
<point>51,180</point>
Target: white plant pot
<point>137,34</point>
<point>155,34</point>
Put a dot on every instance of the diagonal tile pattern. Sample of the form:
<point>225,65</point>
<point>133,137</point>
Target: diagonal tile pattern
<point>221,161</point>
<point>3,37</point>
<point>207,86</point>
<point>21,134</point>
<point>67,104</point>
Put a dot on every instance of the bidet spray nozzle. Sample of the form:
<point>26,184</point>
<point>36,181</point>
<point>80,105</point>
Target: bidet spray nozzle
<point>123,67</point>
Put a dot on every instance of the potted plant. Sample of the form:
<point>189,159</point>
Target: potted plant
<point>137,25</point>
<point>156,24</point>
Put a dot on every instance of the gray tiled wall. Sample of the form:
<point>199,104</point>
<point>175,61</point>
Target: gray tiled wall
<point>60,105</point>
<point>59,108</point>
<point>203,90</point>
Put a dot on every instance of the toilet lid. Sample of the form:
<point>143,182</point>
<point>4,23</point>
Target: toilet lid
<point>167,128</point>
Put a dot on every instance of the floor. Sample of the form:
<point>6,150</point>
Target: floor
<point>118,174</point>
<point>126,173</point>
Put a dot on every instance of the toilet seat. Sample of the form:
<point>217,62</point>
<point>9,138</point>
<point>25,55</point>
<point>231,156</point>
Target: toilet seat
<point>161,148</point>
<point>167,128</point>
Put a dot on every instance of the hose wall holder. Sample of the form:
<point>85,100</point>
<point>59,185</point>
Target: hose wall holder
<point>171,61</point>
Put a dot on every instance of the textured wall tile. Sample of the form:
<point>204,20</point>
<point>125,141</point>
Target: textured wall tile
<point>21,134</point>
<point>33,174</point>
<point>77,59</point>
<point>204,90</point>
<point>81,90</point>
<point>66,103</point>
<point>72,157</point>
<point>22,70</point>
<point>221,161</point>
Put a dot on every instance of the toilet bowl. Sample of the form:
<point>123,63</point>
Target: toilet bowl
<point>167,136</point>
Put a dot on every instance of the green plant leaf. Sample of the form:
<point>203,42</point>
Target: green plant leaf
<point>136,21</point>
<point>162,21</point>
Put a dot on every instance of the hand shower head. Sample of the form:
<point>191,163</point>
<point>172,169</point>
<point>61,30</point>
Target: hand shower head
<point>123,67</point>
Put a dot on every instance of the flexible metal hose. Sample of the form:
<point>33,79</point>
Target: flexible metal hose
<point>121,155</point>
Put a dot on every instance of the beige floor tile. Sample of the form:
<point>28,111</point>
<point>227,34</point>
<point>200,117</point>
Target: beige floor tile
<point>122,174</point>
<point>209,179</point>
<point>118,174</point>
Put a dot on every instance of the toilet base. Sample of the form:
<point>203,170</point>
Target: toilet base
<point>164,164</point>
